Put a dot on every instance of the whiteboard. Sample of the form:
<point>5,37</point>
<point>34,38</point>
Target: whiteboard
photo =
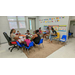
<point>22,25</point>
<point>13,25</point>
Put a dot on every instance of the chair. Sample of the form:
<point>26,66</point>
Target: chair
<point>58,37</point>
<point>64,38</point>
<point>30,45</point>
<point>48,35</point>
<point>11,43</point>
<point>20,45</point>
<point>41,42</point>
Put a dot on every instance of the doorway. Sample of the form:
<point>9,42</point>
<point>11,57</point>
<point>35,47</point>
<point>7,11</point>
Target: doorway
<point>72,28</point>
<point>32,24</point>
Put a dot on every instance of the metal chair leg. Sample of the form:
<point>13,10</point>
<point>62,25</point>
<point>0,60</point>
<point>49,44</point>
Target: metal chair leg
<point>34,49</point>
<point>22,49</point>
<point>28,51</point>
<point>39,47</point>
<point>42,45</point>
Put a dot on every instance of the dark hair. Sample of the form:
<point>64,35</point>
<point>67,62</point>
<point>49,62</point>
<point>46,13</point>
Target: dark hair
<point>37,31</point>
<point>52,28</point>
<point>11,30</point>
<point>40,28</point>
<point>47,27</point>
<point>27,36</point>
<point>27,30</point>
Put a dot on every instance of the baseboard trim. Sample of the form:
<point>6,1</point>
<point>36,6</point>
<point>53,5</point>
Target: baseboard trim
<point>3,42</point>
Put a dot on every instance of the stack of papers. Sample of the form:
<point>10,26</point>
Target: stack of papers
<point>20,37</point>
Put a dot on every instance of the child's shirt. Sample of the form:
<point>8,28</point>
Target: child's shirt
<point>27,41</point>
<point>47,31</point>
<point>40,31</point>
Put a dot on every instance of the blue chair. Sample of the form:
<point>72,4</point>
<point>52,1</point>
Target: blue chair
<point>20,45</point>
<point>64,38</point>
<point>30,45</point>
<point>41,42</point>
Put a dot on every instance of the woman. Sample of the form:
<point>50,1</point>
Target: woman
<point>53,34</point>
<point>47,32</point>
<point>36,37</point>
<point>13,36</point>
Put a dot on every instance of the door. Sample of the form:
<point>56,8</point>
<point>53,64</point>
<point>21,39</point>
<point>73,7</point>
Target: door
<point>32,25</point>
<point>74,30</point>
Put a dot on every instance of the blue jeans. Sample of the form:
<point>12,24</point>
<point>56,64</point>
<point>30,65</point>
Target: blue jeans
<point>44,32</point>
<point>50,37</point>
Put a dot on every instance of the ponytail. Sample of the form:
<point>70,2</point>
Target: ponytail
<point>11,31</point>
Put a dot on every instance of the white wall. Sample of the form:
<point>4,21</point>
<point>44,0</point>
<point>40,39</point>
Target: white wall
<point>4,26</point>
<point>64,21</point>
<point>72,28</point>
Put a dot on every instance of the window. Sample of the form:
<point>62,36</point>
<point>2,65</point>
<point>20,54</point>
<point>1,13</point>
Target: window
<point>30,24</point>
<point>16,21</point>
<point>21,22</point>
<point>13,25</point>
<point>22,25</point>
<point>11,18</point>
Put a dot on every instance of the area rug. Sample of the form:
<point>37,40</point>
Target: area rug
<point>48,49</point>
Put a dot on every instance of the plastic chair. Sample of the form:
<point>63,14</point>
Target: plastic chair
<point>64,38</point>
<point>58,37</point>
<point>30,45</point>
<point>20,45</point>
<point>41,42</point>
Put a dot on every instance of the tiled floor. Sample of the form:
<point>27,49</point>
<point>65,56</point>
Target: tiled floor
<point>67,51</point>
<point>5,53</point>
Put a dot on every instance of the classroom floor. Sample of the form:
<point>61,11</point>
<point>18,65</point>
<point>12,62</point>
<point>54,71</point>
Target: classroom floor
<point>67,51</point>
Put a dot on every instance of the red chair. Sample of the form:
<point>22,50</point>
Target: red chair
<point>11,43</point>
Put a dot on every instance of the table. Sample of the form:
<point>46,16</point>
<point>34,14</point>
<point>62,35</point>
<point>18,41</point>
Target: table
<point>23,35</point>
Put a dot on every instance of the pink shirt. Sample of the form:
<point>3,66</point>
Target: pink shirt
<point>40,31</point>
<point>27,41</point>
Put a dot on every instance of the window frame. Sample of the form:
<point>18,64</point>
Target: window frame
<point>17,22</point>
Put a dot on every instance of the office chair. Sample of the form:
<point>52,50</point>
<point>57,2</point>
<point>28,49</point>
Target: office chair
<point>11,43</point>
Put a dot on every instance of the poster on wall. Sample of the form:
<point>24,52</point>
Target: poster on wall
<point>62,28</point>
<point>56,27</point>
<point>51,20</point>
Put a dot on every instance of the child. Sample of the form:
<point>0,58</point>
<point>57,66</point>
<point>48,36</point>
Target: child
<point>40,31</point>
<point>47,32</point>
<point>18,33</point>
<point>27,40</point>
<point>27,32</point>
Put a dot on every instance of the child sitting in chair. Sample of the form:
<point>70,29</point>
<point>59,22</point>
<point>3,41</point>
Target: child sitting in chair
<point>18,33</point>
<point>28,33</point>
<point>27,40</point>
<point>40,31</point>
